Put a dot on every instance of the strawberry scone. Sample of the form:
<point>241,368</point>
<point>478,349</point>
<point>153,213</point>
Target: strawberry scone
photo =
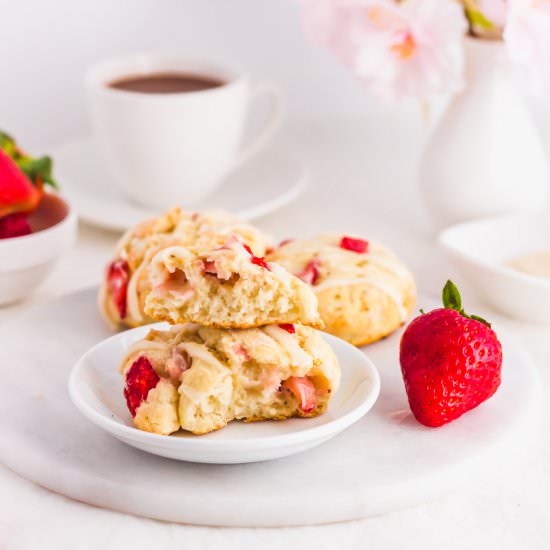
<point>364,292</point>
<point>201,378</point>
<point>122,294</point>
<point>226,287</point>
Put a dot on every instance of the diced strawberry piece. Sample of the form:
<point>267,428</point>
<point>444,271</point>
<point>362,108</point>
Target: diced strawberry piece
<point>310,273</point>
<point>209,266</point>
<point>289,327</point>
<point>14,225</point>
<point>141,378</point>
<point>286,241</point>
<point>304,390</point>
<point>256,260</point>
<point>260,262</point>
<point>241,352</point>
<point>118,275</point>
<point>355,245</point>
<point>178,362</point>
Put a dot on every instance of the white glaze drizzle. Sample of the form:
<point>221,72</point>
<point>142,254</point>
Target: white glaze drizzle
<point>142,346</point>
<point>132,298</point>
<point>192,394</point>
<point>288,341</point>
<point>199,351</point>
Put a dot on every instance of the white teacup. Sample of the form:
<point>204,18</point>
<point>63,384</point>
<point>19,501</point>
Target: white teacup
<point>175,148</point>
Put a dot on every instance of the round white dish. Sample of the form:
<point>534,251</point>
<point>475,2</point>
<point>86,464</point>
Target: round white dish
<point>96,388</point>
<point>270,180</point>
<point>28,260</point>
<point>384,462</point>
<point>481,249</point>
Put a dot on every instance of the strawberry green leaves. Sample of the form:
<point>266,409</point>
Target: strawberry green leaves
<point>38,170</point>
<point>451,297</point>
<point>452,300</point>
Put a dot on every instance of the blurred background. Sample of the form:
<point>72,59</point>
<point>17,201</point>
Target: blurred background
<point>48,44</point>
<point>345,134</point>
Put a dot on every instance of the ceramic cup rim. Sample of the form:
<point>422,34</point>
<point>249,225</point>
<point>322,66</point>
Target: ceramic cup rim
<point>100,74</point>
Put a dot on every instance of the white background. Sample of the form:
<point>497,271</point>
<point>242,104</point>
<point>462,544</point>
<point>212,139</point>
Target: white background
<point>46,45</point>
<point>362,159</point>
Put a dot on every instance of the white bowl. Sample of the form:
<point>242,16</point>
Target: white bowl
<point>96,388</point>
<point>480,251</point>
<point>27,261</point>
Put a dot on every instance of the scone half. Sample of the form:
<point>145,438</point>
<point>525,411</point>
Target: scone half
<point>126,282</point>
<point>220,375</point>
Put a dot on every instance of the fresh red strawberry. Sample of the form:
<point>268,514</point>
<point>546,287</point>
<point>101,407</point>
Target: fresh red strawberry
<point>140,380</point>
<point>354,245</point>
<point>118,275</point>
<point>14,225</point>
<point>21,178</point>
<point>304,390</point>
<point>310,273</point>
<point>17,193</point>
<point>289,327</point>
<point>256,260</point>
<point>451,362</point>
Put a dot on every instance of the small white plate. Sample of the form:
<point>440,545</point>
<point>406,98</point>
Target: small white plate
<point>270,180</point>
<point>96,387</point>
<point>480,251</point>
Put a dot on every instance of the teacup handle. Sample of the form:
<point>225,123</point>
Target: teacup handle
<point>271,123</point>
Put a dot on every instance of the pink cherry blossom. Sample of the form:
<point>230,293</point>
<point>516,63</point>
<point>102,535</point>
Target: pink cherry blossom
<point>527,37</point>
<point>494,11</point>
<point>408,49</point>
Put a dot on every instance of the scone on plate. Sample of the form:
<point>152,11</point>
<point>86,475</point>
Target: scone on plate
<point>364,292</point>
<point>201,378</point>
<point>226,287</point>
<point>125,285</point>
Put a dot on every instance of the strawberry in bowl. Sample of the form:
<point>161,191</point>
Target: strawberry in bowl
<point>36,225</point>
<point>451,361</point>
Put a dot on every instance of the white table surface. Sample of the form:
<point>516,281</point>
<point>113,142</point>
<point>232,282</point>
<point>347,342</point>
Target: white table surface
<point>362,181</point>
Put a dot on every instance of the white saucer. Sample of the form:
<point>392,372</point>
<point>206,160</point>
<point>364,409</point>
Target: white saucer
<point>269,181</point>
<point>96,387</point>
<point>383,462</point>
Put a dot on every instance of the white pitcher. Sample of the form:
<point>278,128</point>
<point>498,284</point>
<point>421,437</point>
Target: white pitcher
<point>485,156</point>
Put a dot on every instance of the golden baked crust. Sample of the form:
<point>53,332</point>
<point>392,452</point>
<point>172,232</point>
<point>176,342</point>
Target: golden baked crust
<point>362,297</point>
<point>219,375</point>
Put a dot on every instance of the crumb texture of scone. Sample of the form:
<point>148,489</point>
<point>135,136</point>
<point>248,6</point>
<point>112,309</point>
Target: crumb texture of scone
<point>226,287</point>
<point>200,378</point>
<point>363,290</point>
<point>126,282</point>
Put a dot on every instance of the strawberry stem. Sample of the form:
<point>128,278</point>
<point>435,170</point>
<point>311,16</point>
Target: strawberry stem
<point>452,300</point>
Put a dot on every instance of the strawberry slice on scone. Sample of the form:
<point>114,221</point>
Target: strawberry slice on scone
<point>227,287</point>
<point>451,362</point>
<point>151,397</point>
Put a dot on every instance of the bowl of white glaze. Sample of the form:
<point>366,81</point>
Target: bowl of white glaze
<point>486,252</point>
